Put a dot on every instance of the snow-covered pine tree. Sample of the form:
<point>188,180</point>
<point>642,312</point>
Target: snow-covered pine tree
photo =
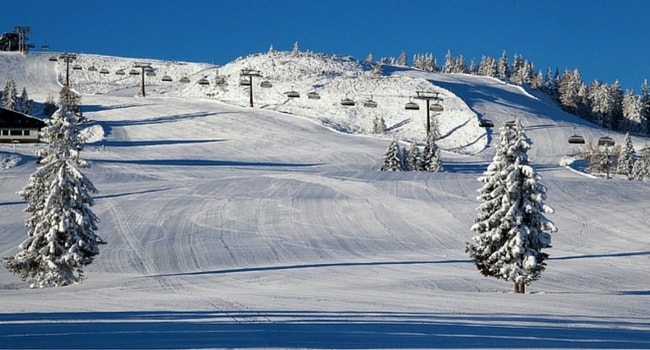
<point>368,58</point>
<point>61,226</point>
<point>404,159</point>
<point>414,157</point>
<point>392,160</point>
<point>431,160</point>
<point>401,59</point>
<point>376,70</point>
<point>296,48</point>
<point>626,156</point>
<point>641,168</point>
<point>511,229</point>
<point>378,125</point>
<point>503,67</point>
<point>10,96</point>
<point>25,102</point>
<point>71,101</point>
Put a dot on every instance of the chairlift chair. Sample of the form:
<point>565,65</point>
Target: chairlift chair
<point>103,71</point>
<point>134,72</point>
<point>370,103</point>
<point>436,107</point>
<point>53,59</point>
<point>45,47</point>
<point>244,82</point>
<point>412,106</point>
<point>606,141</point>
<point>486,123</point>
<point>292,94</point>
<point>166,78</point>
<point>185,80</point>
<point>92,69</point>
<point>151,74</point>
<point>203,81</point>
<point>120,72</point>
<point>511,123</point>
<point>76,67</point>
<point>313,95</point>
<point>266,84</point>
<point>347,102</point>
<point>575,138</point>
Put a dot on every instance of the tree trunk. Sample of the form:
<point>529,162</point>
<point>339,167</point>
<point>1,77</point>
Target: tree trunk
<point>520,288</point>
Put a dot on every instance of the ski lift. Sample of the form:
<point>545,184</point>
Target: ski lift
<point>347,102</point>
<point>313,95</point>
<point>103,71</point>
<point>606,141</point>
<point>119,72</point>
<point>575,138</point>
<point>266,84</point>
<point>221,81</point>
<point>151,73</point>
<point>292,94</point>
<point>436,107</point>
<point>76,67</point>
<point>166,78</point>
<point>134,72</point>
<point>511,123</point>
<point>370,103</point>
<point>410,105</point>
<point>53,59</point>
<point>185,80</point>
<point>92,69</point>
<point>203,81</point>
<point>244,81</point>
<point>45,47</point>
<point>486,123</point>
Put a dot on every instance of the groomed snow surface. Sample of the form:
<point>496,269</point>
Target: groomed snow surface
<point>272,227</point>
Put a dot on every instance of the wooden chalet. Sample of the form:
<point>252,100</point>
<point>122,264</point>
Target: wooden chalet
<point>19,127</point>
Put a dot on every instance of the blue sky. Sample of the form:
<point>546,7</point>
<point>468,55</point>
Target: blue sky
<point>605,40</point>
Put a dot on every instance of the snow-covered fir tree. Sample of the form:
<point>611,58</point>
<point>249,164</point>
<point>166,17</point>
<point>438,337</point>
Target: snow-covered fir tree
<point>71,101</point>
<point>626,157</point>
<point>392,160</point>
<point>25,102</point>
<point>641,168</point>
<point>10,96</point>
<point>296,48</point>
<point>49,107</point>
<point>414,157</point>
<point>510,228</point>
<point>401,59</point>
<point>503,67</point>
<point>368,58</point>
<point>61,226</point>
<point>376,70</point>
<point>431,160</point>
<point>378,125</point>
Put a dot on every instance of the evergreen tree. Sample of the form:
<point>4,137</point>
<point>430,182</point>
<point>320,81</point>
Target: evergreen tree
<point>626,156</point>
<point>296,48</point>
<point>61,226</point>
<point>25,102</point>
<point>503,68</point>
<point>368,58</point>
<point>379,125</point>
<point>10,96</point>
<point>414,157</point>
<point>641,168</point>
<point>511,229</point>
<point>645,105</point>
<point>392,160</point>
<point>634,121</point>
<point>569,91</point>
<point>71,101</point>
<point>431,161</point>
<point>401,59</point>
<point>376,70</point>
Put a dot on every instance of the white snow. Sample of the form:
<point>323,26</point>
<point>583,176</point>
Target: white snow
<point>230,226</point>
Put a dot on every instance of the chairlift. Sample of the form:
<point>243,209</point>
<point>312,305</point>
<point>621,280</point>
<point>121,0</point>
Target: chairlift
<point>347,102</point>
<point>134,72</point>
<point>575,138</point>
<point>76,67</point>
<point>185,80</point>
<point>45,47</point>
<point>53,59</point>
<point>203,81</point>
<point>511,123</point>
<point>166,78</point>
<point>221,81</point>
<point>92,69</point>
<point>370,103</point>
<point>266,84</point>
<point>410,105</point>
<point>436,107</point>
<point>313,95</point>
<point>120,72</point>
<point>103,71</point>
<point>151,73</point>
<point>486,123</point>
<point>606,141</point>
<point>292,94</point>
<point>245,81</point>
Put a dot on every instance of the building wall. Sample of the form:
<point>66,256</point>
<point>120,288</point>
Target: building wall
<point>27,135</point>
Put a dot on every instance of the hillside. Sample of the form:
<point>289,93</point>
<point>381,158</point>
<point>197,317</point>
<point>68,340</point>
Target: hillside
<point>230,226</point>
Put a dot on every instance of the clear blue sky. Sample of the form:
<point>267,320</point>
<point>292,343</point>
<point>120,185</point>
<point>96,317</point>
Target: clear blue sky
<point>605,40</point>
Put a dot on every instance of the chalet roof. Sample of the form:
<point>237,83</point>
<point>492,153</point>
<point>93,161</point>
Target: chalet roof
<point>15,120</point>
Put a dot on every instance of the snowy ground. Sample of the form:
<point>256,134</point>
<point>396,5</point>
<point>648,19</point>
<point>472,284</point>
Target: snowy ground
<point>272,227</point>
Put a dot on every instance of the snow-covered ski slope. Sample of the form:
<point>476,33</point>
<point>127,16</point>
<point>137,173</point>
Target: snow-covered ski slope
<point>230,226</point>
